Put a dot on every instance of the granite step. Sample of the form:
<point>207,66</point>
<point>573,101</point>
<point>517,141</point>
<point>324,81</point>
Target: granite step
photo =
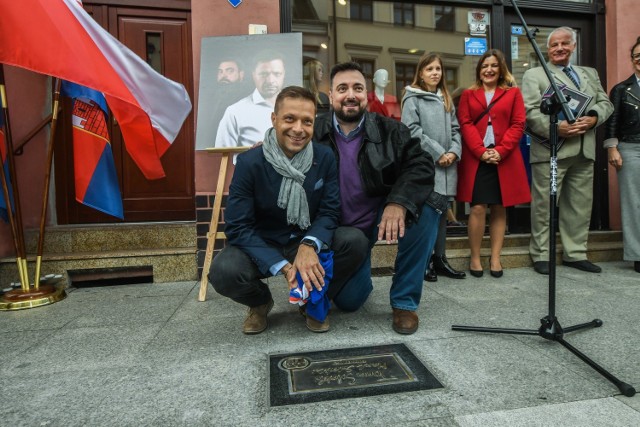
<point>603,246</point>
<point>166,250</point>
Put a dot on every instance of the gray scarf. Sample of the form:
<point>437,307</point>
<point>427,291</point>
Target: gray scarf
<point>292,196</point>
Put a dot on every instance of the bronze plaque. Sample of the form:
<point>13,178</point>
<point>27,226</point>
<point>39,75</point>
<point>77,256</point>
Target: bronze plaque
<point>306,375</point>
<point>341,373</point>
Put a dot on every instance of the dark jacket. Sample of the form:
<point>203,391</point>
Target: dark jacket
<point>255,223</point>
<point>392,163</point>
<point>624,123</point>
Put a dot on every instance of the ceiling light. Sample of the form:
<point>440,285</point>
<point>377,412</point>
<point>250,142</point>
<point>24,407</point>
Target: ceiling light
<point>323,45</point>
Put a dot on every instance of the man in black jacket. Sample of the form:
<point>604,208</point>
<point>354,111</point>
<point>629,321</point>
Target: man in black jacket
<point>386,182</point>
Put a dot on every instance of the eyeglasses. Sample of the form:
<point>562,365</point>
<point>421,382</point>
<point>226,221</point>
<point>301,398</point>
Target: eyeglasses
<point>636,56</point>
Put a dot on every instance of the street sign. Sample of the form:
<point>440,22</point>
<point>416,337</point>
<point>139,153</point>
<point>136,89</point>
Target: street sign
<point>475,46</point>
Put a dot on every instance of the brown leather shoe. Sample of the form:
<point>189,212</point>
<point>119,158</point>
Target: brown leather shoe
<point>319,327</point>
<point>405,322</point>
<point>312,324</point>
<point>256,320</point>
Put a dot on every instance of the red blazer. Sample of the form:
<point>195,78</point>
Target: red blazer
<point>508,121</point>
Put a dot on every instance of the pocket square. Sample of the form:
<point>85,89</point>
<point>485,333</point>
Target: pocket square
<point>318,185</point>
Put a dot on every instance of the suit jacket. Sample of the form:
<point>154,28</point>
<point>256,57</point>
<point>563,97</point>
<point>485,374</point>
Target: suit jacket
<point>507,120</point>
<point>535,82</point>
<point>254,222</point>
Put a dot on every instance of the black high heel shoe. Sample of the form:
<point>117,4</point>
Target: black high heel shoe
<point>495,273</point>
<point>476,273</point>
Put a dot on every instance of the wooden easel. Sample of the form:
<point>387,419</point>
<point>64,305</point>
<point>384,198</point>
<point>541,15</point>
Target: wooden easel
<point>213,234</point>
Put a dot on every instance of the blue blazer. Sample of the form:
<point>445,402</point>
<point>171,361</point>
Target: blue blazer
<point>254,222</point>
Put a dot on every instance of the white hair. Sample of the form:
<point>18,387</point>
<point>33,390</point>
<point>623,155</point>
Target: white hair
<point>567,30</point>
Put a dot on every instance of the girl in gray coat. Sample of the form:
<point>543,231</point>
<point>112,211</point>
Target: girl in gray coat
<point>428,111</point>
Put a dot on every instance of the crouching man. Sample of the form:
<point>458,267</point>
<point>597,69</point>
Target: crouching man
<point>283,209</point>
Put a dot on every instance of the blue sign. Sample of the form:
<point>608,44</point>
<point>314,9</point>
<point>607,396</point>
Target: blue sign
<point>517,30</point>
<point>475,46</point>
<point>235,3</point>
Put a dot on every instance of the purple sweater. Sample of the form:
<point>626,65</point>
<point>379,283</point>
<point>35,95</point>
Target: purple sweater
<point>358,209</point>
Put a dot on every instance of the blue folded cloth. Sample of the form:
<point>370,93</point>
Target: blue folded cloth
<point>317,303</point>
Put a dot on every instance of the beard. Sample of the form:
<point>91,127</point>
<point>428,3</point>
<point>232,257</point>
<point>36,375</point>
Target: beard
<point>351,117</point>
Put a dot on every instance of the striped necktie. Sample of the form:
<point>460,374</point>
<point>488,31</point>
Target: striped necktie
<point>569,72</point>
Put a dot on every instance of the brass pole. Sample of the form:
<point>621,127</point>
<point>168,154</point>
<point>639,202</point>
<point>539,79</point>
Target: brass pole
<point>7,198</point>
<point>47,181</point>
<point>19,230</point>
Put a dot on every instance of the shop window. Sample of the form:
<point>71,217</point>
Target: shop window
<point>445,18</point>
<point>303,9</point>
<point>368,66</point>
<point>403,14</point>
<point>404,76</point>
<point>361,10</point>
<point>451,79</point>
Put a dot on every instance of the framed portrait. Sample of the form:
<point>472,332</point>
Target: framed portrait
<point>577,101</point>
<point>240,77</point>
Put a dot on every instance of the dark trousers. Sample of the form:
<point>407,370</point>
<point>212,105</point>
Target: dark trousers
<point>235,276</point>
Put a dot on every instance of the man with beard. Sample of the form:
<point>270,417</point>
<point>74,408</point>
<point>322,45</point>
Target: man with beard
<point>230,87</point>
<point>229,72</point>
<point>245,122</point>
<point>386,191</point>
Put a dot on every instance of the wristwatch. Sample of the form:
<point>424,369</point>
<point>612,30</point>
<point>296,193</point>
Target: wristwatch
<point>309,242</point>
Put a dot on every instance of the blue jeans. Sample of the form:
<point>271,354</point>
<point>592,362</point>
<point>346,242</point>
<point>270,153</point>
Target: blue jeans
<point>414,250</point>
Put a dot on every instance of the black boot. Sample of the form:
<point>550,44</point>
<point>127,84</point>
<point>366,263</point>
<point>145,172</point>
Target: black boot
<point>430,275</point>
<point>441,266</point>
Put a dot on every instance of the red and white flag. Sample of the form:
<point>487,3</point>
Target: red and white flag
<point>58,38</point>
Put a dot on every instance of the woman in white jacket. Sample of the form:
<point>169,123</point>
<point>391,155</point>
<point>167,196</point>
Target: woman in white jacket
<point>428,111</point>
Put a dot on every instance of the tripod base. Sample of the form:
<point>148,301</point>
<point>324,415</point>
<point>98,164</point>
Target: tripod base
<point>551,329</point>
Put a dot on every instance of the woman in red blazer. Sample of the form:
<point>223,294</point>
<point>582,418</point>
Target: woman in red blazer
<point>491,170</point>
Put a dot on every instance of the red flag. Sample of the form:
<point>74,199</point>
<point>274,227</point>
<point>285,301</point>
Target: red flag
<point>58,38</point>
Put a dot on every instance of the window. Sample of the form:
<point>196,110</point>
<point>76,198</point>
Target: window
<point>154,52</point>
<point>445,18</point>
<point>403,14</point>
<point>404,77</point>
<point>304,10</point>
<point>367,69</point>
<point>451,78</point>
<point>361,10</point>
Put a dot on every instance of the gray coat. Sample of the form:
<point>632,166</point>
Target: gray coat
<point>438,131</point>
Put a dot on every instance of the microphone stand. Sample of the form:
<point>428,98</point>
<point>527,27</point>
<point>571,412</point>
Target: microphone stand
<point>550,328</point>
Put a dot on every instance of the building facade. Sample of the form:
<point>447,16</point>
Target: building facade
<point>388,35</point>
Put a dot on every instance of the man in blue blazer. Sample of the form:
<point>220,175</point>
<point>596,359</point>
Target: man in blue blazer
<point>283,209</point>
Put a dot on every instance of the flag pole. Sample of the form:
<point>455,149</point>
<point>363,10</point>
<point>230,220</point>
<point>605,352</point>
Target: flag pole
<point>47,181</point>
<point>18,230</point>
<point>7,198</point>
<point>26,296</point>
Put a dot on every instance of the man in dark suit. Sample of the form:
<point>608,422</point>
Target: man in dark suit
<point>575,157</point>
<point>283,209</point>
